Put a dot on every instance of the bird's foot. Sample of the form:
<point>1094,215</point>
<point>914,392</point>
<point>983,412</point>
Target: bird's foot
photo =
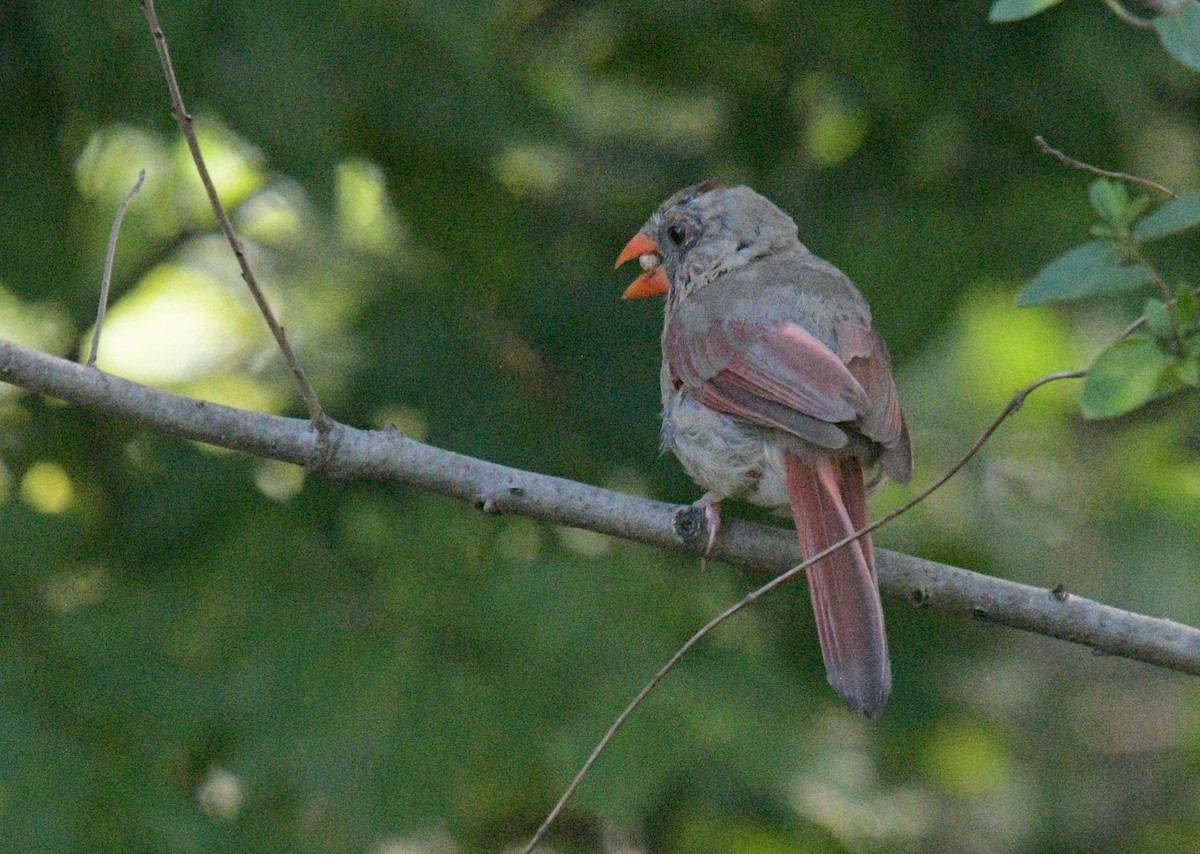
<point>687,521</point>
<point>711,504</point>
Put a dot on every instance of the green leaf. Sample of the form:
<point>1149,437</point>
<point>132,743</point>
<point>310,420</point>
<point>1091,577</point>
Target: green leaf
<point>1139,206</point>
<point>1094,268</point>
<point>1180,34</point>
<point>1110,200</point>
<point>1187,310</point>
<point>1158,319</point>
<point>1171,218</point>
<point>1125,376</point>
<point>1187,369</point>
<point>1004,11</point>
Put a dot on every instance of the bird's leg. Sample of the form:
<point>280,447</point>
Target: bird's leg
<point>710,502</point>
<point>687,522</point>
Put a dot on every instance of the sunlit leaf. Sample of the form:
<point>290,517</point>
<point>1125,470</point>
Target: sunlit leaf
<point>1180,34</point>
<point>1094,268</point>
<point>1016,10</point>
<point>1125,376</point>
<point>1175,216</point>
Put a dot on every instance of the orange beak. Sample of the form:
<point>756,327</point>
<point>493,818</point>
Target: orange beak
<point>652,282</point>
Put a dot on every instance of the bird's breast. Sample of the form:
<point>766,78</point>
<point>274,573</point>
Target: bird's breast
<point>722,454</point>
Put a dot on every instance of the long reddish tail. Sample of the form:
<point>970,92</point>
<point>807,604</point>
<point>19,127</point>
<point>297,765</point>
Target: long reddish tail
<point>829,502</point>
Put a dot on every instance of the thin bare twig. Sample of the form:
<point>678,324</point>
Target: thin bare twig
<point>1141,321</point>
<point>1127,16</point>
<point>1155,276</point>
<point>106,281</point>
<point>188,126</point>
<point>1067,160</point>
<point>1016,403</point>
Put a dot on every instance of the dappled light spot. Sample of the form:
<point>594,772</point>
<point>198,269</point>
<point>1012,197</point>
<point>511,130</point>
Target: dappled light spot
<point>971,764</point>
<point>43,327</point>
<point>112,158</point>
<point>108,168</point>
<point>842,791</point>
<point>366,219</point>
<point>279,481</point>
<point>275,216</point>
<point>586,543</point>
<point>174,327</point>
<point>625,109</point>
<point>966,759</point>
<point>1167,148</point>
<point>532,168</point>
<point>834,127</point>
<point>234,165</point>
<point>1002,348</point>
<point>367,525</point>
<point>241,391</point>
<point>221,794</point>
<point>47,488</point>
<point>432,843</point>
<point>628,480</point>
<point>69,591</point>
<point>1188,477</point>
<point>409,421</point>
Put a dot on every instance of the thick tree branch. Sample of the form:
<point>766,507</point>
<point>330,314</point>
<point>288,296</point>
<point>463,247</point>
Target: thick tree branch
<point>352,454</point>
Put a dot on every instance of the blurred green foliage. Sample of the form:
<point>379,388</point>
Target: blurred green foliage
<point>1177,22</point>
<point>203,652</point>
<point>1160,352</point>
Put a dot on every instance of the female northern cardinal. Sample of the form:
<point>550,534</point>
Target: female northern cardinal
<point>777,389</point>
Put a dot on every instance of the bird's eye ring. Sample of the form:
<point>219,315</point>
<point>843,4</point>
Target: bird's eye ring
<point>676,233</point>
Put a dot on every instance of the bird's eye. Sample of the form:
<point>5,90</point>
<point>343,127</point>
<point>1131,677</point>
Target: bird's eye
<point>676,233</point>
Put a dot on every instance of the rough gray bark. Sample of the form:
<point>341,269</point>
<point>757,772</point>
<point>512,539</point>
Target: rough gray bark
<point>351,454</point>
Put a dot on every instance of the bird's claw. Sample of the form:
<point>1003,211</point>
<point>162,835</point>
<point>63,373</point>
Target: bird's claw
<point>712,520</point>
<point>687,522</point>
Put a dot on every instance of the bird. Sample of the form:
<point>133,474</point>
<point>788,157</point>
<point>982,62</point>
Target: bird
<point>778,390</point>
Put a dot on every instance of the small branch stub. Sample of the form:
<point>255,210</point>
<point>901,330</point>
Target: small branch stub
<point>501,501</point>
<point>106,281</point>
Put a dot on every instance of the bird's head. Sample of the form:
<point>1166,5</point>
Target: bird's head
<point>700,232</point>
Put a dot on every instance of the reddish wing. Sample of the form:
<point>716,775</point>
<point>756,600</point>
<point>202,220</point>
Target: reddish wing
<point>865,354</point>
<point>778,375</point>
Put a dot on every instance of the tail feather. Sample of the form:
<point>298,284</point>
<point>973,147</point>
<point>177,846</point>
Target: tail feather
<point>829,502</point>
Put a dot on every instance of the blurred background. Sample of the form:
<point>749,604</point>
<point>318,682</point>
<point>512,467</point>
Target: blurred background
<point>205,652</point>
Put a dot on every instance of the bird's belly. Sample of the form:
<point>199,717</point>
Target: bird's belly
<point>725,456</point>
